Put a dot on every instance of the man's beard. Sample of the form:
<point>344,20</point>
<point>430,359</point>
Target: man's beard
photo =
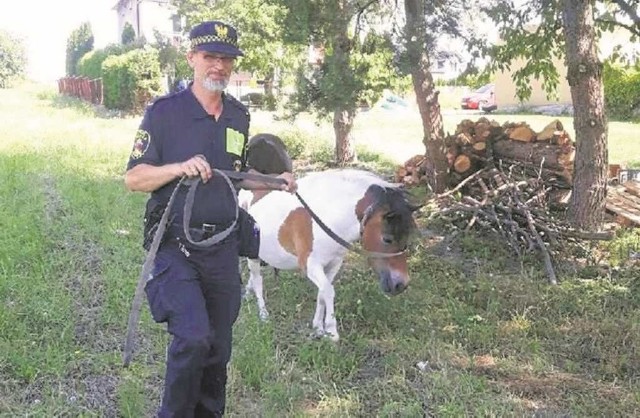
<point>214,85</point>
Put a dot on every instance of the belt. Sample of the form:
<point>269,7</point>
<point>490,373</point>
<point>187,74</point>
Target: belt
<point>145,274</point>
<point>198,233</point>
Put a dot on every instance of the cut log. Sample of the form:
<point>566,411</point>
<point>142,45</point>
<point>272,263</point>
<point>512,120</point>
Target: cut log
<point>632,187</point>
<point>464,139</point>
<point>549,131</point>
<point>480,146</point>
<point>534,153</point>
<point>452,153</point>
<point>523,134</point>
<point>401,172</point>
<point>462,164</point>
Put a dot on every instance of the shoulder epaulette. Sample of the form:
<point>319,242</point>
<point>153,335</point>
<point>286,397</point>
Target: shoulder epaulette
<point>163,98</point>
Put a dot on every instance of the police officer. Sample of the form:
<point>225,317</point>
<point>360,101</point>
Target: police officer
<point>196,291</point>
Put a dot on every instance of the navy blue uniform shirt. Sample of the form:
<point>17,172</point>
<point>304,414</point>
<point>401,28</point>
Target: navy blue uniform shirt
<point>175,128</point>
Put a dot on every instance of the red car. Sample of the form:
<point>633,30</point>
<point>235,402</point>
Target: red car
<point>483,98</point>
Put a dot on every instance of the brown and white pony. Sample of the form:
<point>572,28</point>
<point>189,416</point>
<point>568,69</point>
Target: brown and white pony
<point>355,205</point>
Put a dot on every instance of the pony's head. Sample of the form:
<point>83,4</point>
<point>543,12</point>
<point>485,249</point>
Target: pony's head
<point>386,223</point>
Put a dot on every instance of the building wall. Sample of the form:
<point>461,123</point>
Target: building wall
<point>506,88</point>
<point>149,15</point>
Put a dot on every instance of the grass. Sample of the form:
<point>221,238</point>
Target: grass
<point>477,334</point>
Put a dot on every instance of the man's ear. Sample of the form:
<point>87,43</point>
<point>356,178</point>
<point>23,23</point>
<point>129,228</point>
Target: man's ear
<point>190,57</point>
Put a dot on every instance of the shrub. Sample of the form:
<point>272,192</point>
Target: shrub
<point>79,43</point>
<point>131,80</point>
<point>12,59</point>
<point>621,90</point>
<point>128,35</point>
<point>90,65</point>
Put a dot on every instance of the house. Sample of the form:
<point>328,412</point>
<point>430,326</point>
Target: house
<point>147,16</point>
<point>610,43</point>
<point>506,88</point>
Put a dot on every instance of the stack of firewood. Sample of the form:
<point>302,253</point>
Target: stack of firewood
<point>484,144</point>
<point>504,179</point>
<point>412,172</point>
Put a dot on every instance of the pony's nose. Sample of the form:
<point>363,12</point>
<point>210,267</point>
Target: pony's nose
<point>394,285</point>
<point>399,287</point>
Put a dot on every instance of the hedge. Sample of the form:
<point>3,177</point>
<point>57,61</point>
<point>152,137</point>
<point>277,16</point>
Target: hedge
<point>131,80</point>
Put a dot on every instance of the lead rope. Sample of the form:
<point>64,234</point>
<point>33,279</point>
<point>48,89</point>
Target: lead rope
<point>145,274</point>
<point>342,241</point>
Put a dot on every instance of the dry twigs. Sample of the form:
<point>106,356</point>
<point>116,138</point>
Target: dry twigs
<point>508,201</point>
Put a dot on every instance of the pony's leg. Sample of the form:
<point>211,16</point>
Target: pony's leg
<point>255,285</point>
<point>315,273</point>
<point>324,321</point>
<point>330,323</point>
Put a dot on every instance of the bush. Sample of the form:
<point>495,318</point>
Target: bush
<point>79,43</point>
<point>12,59</point>
<point>90,65</point>
<point>621,91</point>
<point>131,80</point>
<point>128,35</point>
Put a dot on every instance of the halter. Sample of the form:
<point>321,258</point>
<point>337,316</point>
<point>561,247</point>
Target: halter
<point>367,214</point>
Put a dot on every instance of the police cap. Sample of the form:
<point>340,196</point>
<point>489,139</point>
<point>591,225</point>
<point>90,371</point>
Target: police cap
<point>215,36</point>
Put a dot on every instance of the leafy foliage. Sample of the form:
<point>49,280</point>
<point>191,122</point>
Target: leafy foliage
<point>79,43</point>
<point>260,33</point>
<point>12,59</point>
<point>622,90</point>
<point>357,65</point>
<point>128,35</point>
<point>533,37</point>
<point>90,65</point>
<point>131,80</point>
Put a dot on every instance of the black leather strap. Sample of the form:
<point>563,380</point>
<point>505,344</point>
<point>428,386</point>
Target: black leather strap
<point>145,274</point>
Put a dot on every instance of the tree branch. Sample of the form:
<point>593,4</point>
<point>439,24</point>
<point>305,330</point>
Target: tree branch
<point>634,29</point>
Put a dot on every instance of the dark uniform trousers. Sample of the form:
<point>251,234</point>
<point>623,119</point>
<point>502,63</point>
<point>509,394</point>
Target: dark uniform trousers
<point>197,292</point>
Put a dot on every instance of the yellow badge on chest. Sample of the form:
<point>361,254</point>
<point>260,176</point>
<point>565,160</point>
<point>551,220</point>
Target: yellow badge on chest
<point>235,141</point>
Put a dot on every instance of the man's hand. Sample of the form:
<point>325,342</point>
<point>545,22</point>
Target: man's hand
<point>291,185</point>
<point>197,166</point>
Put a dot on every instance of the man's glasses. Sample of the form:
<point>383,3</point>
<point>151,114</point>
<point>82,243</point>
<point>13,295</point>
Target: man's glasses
<point>222,59</point>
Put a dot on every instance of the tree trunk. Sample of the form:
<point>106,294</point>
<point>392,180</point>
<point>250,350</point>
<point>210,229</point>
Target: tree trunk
<point>584,74</point>
<point>269,96</point>
<point>344,114</point>
<point>345,147</point>
<point>426,95</point>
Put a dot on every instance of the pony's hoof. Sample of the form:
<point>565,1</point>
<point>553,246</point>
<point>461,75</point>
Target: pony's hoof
<point>264,316</point>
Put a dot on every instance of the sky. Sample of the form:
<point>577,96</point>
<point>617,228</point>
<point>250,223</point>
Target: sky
<point>45,26</point>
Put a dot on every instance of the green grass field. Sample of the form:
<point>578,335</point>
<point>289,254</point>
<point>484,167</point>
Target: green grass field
<point>478,333</point>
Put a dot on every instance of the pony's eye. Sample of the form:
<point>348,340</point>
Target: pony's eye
<point>387,239</point>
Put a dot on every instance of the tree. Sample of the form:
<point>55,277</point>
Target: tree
<point>427,24</point>
<point>128,34</point>
<point>426,94</point>
<point>350,72</point>
<point>79,43</point>
<point>584,73</point>
<point>12,59</point>
<point>540,30</point>
<point>260,28</point>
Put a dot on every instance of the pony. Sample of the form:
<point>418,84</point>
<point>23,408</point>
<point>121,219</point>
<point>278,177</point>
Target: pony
<point>354,205</point>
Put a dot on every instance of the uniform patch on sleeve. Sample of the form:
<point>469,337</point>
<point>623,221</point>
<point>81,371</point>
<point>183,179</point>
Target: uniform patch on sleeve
<point>140,144</point>
<point>235,142</point>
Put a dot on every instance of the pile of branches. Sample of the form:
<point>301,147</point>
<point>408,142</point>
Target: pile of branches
<point>506,199</point>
